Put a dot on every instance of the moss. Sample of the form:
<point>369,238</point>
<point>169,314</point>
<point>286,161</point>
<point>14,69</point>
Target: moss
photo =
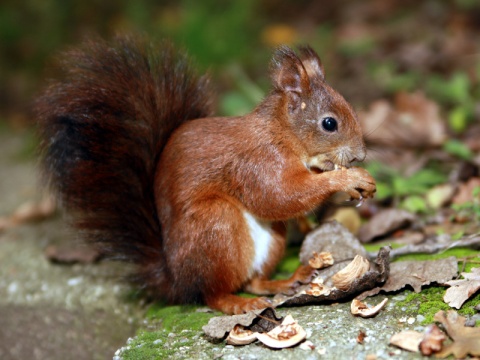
<point>460,253</point>
<point>154,345</point>
<point>176,328</point>
<point>470,264</point>
<point>179,317</point>
<point>430,300</point>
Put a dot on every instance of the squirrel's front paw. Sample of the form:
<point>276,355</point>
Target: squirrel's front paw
<point>357,182</point>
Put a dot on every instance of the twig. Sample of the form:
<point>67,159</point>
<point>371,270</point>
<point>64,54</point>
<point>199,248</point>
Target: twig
<point>433,247</point>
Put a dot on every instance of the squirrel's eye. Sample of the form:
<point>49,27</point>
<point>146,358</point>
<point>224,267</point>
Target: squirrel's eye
<point>329,124</point>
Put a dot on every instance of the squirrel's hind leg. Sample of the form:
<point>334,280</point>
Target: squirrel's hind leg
<point>262,286</point>
<point>234,304</point>
<point>211,253</point>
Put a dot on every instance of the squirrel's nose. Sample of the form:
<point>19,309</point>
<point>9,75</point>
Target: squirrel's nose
<point>359,154</point>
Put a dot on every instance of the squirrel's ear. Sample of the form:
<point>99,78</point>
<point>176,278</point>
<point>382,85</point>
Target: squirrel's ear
<point>311,62</point>
<point>289,74</point>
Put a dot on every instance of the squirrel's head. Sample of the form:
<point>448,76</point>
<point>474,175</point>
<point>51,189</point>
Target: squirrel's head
<point>320,117</point>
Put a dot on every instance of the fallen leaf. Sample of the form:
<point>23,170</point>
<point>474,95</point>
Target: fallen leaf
<point>28,212</point>
<point>71,254</point>
<point>461,290</point>
<point>466,340</point>
<point>308,294</point>
<point>384,223</point>
<point>413,121</point>
<point>364,310</point>
<point>465,191</point>
<point>34,210</point>
<point>407,340</point>
<point>427,343</point>
<point>288,334</point>
<point>416,274</point>
<point>432,341</point>
<point>334,238</point>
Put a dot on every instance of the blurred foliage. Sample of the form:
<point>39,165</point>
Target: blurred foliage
<point>457,148</point>
<point>392,184</point>
<point>216,33</point>
<point>470,210</point>
<point>360,43</point>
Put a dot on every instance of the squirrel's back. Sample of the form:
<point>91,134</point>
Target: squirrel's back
<point>103,125</point>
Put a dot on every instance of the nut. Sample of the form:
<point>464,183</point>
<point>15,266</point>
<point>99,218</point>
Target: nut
<point>287,334</point>
<point>241,336</point>
<point>362,309</point>
<point>321,260</point>
<point>355,270</point>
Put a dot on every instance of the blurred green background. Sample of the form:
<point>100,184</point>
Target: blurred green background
<point>370,48</point>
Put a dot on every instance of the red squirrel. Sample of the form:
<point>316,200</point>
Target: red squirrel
<point>197,202</point>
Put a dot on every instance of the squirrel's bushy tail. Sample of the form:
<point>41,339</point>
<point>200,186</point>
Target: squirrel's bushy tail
<point>103,126</point>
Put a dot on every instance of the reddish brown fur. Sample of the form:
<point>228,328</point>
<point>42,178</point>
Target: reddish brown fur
<point>213,171</point>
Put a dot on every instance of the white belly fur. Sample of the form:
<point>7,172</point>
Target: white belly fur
<point>260,232</point>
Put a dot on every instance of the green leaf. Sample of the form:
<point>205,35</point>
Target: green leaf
<point>458,119</point>
<point>414,204</point>
<point>384,191</point>
<point>458,149</point>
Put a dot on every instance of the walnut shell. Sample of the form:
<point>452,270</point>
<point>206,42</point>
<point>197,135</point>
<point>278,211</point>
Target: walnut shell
<point>345,277</point>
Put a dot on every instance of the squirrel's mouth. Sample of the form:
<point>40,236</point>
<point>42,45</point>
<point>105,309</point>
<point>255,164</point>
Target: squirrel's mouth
<point>319,164</point>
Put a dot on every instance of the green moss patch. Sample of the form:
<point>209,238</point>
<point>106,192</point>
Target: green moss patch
<point>430,300</point>
<point>175,330</point>
<point>180,317</point>
<point>460,253</point>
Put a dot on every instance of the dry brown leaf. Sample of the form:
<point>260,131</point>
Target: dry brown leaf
<point>364,310</point>
<point>466,340</point>
<point>465,191</point>
<point>412,121</point>
<point>383,223</point>
<point>427,343</point>
<point>461,290</point>
<point>334,238</point>
<point>29,211</point>
<point>407,340</point>
<point>416,274</point>
<point>70,254</point>
<point>432,341</point>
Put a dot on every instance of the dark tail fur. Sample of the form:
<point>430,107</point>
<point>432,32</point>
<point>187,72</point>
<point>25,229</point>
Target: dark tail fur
<point>103,126</point>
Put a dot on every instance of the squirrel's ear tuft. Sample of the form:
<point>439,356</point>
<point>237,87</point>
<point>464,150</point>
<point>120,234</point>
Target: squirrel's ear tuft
<point>288,73</point>
<point>290,77</point>
<point>311,62</point>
